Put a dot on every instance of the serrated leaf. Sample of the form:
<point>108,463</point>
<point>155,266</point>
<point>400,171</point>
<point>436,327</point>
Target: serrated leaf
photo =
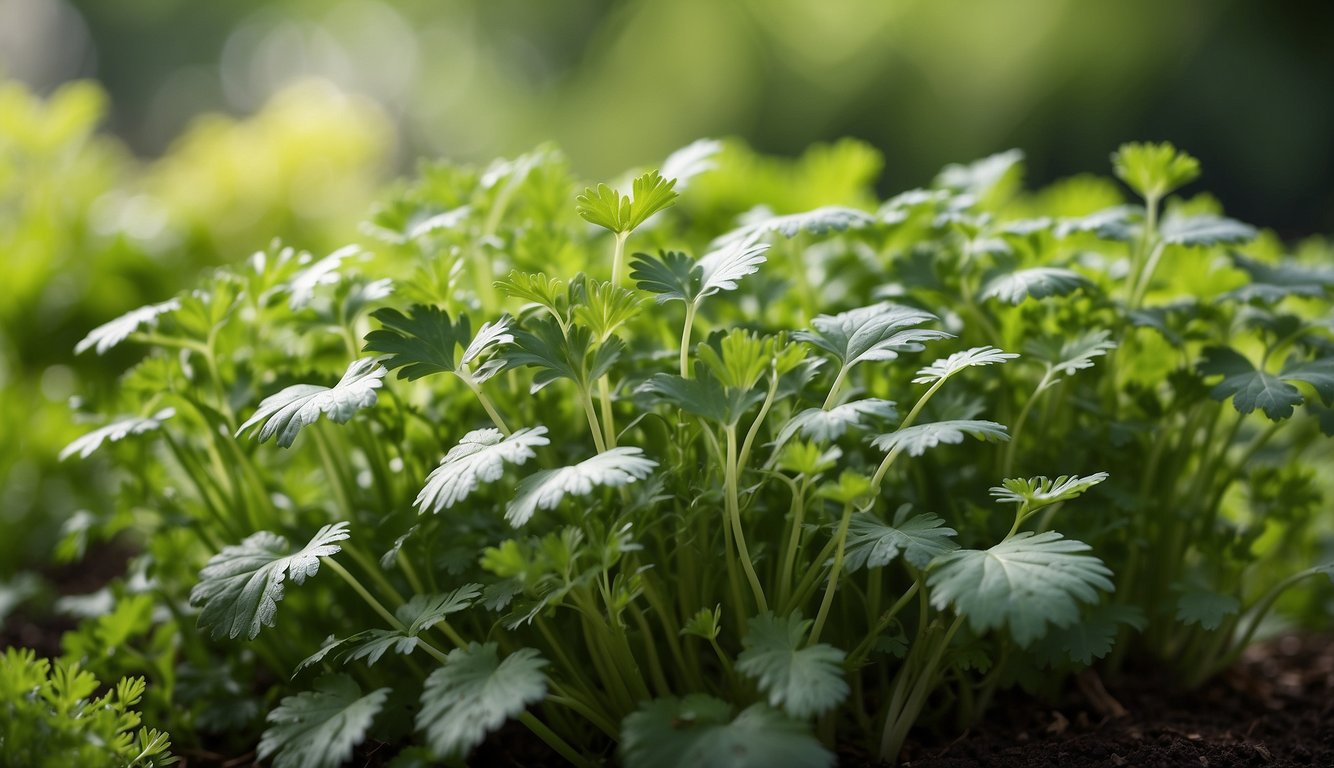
<point>558,355</point>
<point>672,275</point>
<point>691,160</point>
<point>1318,373</point>
<point>1035,282</point>
<point>425,611</point>
<point>1067,356</point>
<point>116,431</point>
<point>825,426</point>
<point>606,308</point>
<point>919,539</point>
<point>1154,170</point>
<point>980,176</point>
<point>1092,637</point>
<point>698,731</point>
<point>720,269</point>
<point>609,209</point>
<point>1197,605</point>
<point>1115,223</point>
<point>703,395</point>
<point>803,681</point>
<point>240,587</point>
<point>474,693</point>
<point>1025,583</point>
<point>544,490</point>
<point>106,336</point>
<point>320,728</point>
<point>1204,229</point>
<point>969,358</point>
<point>1042,491</point>
<point>876,332</point>
<point>920,438</point>
<point>830,218</point>
<point>286,412</point>
<point>706,624</point>
<point>301,288</point>
<point>479,457</point>
<point>424,342</point>
<point>1249,388</point>
<point>537,288</point>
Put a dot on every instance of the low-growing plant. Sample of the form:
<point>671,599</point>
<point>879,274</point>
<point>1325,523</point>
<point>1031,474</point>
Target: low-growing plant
<point>721,503</point>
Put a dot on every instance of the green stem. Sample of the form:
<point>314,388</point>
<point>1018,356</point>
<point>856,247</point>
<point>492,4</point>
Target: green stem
<point>841,539</point>
<point>487,406</point>
<point>1008,466</point>
<point>608,420</point>
<point>734,512</point>
<point>685,339</point>
<point>364,593</point>
<point>863,648</point>
<point>892,743</point>
<point>618,259</point>
<point>793,540</point>
<point>907,422</point>
<point>593,427</point>
<point>541,731</point>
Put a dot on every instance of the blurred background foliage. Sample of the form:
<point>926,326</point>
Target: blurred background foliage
<point>213,127</point>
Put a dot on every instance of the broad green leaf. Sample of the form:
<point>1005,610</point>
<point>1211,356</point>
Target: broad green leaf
<point>703,395</point>
<point>240,587</point>
<point>1203,230</point>
<point>474,693</point>
<point>877,332</point>
<point>1271,283</point>
<point>1115,223</point>
<point>1025,583</point>
<point>698,731</point>
<point>1249,388</point>
<point>1035,282</point>
<point>545,489</point>
<point>809,459</point>
<point>108,335</point>
<point>1038,492</point>
<point>825,426</point>
<point>299,405</point>
<point>320,728</point>
<point>919,539</point>
<point>558,355</point>
<point>479,457</point>
<point>1092,637</point>
<point>804,681</point>
<point>1318,373</point>
<point>672,275</point>
<point>761,221</point>
<point>737,359</point>
<point>424,342</point>
<point>116,431</point>
<point>1198,605</point>
<point>920,438</point>
<point>1154,170</point>
<point>969,358</point>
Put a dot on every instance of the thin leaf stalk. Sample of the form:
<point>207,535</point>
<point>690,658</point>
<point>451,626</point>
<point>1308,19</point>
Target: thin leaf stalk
<point>841,539</point>
<point>733,503</point>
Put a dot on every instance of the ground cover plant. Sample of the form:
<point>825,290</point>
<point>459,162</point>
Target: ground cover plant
<point>726,462</point>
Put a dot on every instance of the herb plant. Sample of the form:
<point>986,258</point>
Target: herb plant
<point>664,491</point>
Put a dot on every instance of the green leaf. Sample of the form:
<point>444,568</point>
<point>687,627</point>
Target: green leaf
<point>920,438</point>
<point>1203,230</point>
<point>672,275</point>
<point>761,221</point>
<point>1069,355</point>
<point>558,355</point>
<point>479,457</point>
<point>609,209</point>
<point>1271,283</point>
<point>706,624</point>
<point>474,693</point>
<point>1026,582</point>
<point>301,288</point>
<point>106,336</point>
<point>691,160</point>
<point>698,731</point>
<point>544,490</point>
<point>720,269</point>
<point>703,396</point>
<point>1035,282</point>
<point>1154,170</point>
<point>969,358</point>
<point>825,426</point>
<point>240,587</point>
<point>851,488</point>
<point>1198,605</point>
<point>979,177</point>
<point>1318,373</point>
<point>877,332</point>
<point>425,611</point>
<point>1092,637</point>
<point>804,681</point>
<point>919,539</point>
<point>114,432</point>
<point>1041,491</point>
<point>320,728</point>
<point>300,405</point>
<point>423,342</point>
<point>537,288</point>
<point>606,308</point>
<point>1249,388</point>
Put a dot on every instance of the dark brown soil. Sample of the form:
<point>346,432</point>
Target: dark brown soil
<point>1274,709</point>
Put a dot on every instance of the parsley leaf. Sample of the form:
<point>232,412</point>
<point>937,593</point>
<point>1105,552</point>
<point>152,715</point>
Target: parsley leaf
<point>920,438</point>
<point>240,587</point>
<point>423,343</point>
<point>299,405</point>
<point>1034,282</point>
<point>474,693</point>
<point>969,358</point>
<point>546,489</point>
<point>876,332</point>
<point>319,729</point>
<point>803,681</point>
<point>108,335</point>
<point>1154,170</point>
<point>1038,492</point>
<point>825,426</point>
<point>698,731</point>
<point>609,209</point>
<point>830,218</point>
<point>919,539</point>
<point>116,431</point>
<point>479,457</point>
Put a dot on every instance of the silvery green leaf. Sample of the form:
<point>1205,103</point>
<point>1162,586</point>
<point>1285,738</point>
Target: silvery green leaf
<point>320,728</point>
<point>109,334</point>
<point>830,218</point>
<point>479,457</point>
<point>721,268</point>
<point>699,731</point>
<point>287,411</point>
<point>545,489</point>
<point>474,693</point>
<point>978,177</point>
<point>919,539</point>
<point>1204,229</point>
<point>301,288</point>
<point>824,426</point>
<point>1041,491</point>
<point>876,332</point>
<point>948,366</point>
<point>115,431</point>
<point>440,222</point>
<point>691,160</point>
<point>1035,282</point>
<point>804,681</point>
<point>240,587</point>
<point>920,438</point>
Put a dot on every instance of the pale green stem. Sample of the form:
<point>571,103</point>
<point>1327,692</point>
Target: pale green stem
<point>841,538</point>
<point>734,512</point>
<point>907,422</point>
<point>487,406</point>
<point>618,259</point>
<point>608,420</point>
<point>685,339</point>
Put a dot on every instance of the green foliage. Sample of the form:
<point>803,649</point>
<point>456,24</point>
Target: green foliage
<point>802,681</point>
<point>1154,170</point>
<point>319,728</point>
<point>699,730</point>
<point>52,718</point>
<point>474,693</point>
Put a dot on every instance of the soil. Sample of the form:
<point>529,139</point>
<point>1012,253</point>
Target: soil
<point>1274,709</point>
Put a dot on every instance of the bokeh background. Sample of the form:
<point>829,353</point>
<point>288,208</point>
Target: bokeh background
<point>142,140</point>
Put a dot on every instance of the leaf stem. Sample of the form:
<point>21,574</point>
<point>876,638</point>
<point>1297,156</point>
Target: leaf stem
<point>841,539</point>
<point>734,512</point>
<point>541,731</point>
<point>685,339</point>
